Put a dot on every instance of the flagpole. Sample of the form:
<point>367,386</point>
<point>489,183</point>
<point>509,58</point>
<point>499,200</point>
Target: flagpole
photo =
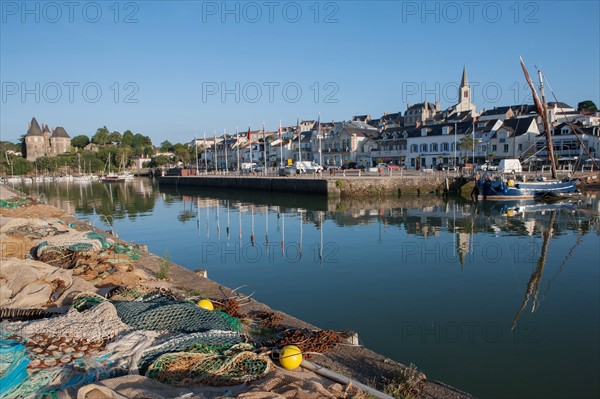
<point>196,145</point>
<point>216,155</point>
<point>280,146</point>
<point>205,159</point>
<point>299,139</point>
<point>225,142</point>
<point>264,149</point>
<point>319,137</point>
<point>250,139</point>
<point>237,146</point>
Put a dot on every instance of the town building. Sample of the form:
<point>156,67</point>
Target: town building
<point>45,142</point>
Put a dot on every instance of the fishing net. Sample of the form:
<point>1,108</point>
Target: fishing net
<point>165,314</point>
<point>180,342</point>
<point>73,240</point>
<point>98,324</point>
<point>16,202</point>
<point>210,365</point>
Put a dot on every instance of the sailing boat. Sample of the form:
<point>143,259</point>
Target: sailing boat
<point>503,188</point>
<point>111,177</point>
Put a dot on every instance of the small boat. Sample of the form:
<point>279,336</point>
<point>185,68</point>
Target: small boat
<point>502,189</point>
<point>112,178</point>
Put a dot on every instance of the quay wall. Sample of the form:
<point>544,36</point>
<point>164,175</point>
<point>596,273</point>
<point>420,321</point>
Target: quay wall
<point>331,186</point>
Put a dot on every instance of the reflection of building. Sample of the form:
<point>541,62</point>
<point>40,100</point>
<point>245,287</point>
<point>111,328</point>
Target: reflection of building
<point>463,241</point>
<point>41,142</point>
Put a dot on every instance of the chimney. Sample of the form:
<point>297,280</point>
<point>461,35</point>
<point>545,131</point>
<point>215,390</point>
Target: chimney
<point>418,124</point>
<point>408,105</point>
<point>437,105</point>
<point>29,125</point>
<point>52,130</point>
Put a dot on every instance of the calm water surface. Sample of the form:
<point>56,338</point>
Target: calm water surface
<point>501,302</point>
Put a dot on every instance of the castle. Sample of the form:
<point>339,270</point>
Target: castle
<point>44,142</point>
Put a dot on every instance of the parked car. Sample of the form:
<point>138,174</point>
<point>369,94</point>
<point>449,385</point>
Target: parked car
<point>488,166</point>
<point>287,171</point>
<point>353,165</point>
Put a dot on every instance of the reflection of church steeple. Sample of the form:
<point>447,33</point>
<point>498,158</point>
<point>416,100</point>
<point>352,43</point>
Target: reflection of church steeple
<point>462,246</point>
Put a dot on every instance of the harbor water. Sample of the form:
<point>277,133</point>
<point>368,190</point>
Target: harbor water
<point>499,300</point>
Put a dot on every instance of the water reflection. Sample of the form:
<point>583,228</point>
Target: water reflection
<point>419,261</point>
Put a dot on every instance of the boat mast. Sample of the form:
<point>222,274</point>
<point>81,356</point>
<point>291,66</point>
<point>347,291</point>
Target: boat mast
<point>547,127</point>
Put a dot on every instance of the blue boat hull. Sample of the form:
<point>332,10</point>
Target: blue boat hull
<point>501,190</point>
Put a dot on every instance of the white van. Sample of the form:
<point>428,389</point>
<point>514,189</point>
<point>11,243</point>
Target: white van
<point>308,167</point>
<point>510,166</point>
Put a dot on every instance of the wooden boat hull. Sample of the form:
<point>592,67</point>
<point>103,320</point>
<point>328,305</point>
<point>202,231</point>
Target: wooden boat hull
<point>501,190</point>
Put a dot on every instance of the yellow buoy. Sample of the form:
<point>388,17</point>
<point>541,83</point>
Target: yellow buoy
<point>206,304</point>
<point>290,357</point>
<point>511,183</point>
<point>510,213</point>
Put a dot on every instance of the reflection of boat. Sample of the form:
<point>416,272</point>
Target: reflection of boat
<point>533,286</point>
<point>521,207</point>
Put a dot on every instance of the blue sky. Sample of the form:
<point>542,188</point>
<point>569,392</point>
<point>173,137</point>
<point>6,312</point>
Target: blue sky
<point>175,69</point>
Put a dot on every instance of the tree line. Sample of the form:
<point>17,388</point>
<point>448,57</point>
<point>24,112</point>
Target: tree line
<point>107,150</point>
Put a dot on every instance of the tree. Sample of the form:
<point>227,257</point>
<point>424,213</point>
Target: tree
<point>587,107</point>
<point>160,160</point>
<point>115,138</point>
<point>182,153</point>
<point>101,137</point>
<point>21,166</point>
<point>80,141</point>
<point>127,138</point>
<point>166,146</point>
<point>466,144</point>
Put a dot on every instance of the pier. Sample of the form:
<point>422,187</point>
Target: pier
<point>331,186</point>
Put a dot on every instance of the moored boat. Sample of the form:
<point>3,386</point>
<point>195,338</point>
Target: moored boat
<point>503,189</point>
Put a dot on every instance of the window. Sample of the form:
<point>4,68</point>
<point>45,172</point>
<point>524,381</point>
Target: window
<point>423,147</point>
<point>520,147</point>
<point>502,140</point>
<point>494,148</point>
<point>505,148</point>
<point>433,147</point>
<point>445,147</point>
<point>413,148</point>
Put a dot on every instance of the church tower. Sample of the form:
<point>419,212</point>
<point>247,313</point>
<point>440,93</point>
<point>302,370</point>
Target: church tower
<point>464,94</point>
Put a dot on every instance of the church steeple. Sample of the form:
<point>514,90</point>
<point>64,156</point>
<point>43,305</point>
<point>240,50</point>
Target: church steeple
<point>464,81</point>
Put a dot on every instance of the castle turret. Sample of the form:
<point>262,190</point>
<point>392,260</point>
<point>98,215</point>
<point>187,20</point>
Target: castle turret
<point>35,143</point>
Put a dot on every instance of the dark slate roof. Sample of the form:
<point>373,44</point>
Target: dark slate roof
<point>496,111</point>
<point>60,132</point>
<point>306,137</point>
<point>460,117</point>
<point>392,117</point>
<point>518,126</point>
<point>34,129</point>
<point>430,106</point>
<point>46,129</point>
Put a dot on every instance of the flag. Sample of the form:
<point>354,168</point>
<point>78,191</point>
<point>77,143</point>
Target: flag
<point>298,127</point>
<point>249,137</point>
<point>279,130</point>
